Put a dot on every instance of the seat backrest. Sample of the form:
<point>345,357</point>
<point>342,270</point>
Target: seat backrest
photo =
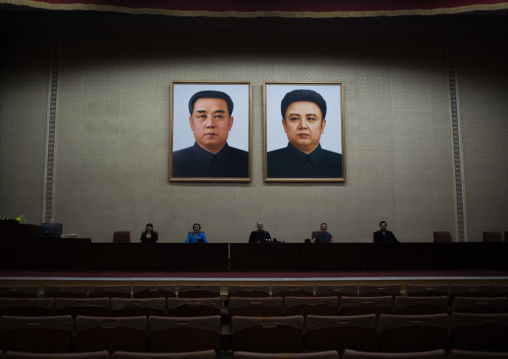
<point>198,291</point>
<point>433,354</point>
<point>424,290</point>
<point>341,332</point>
<point>442,237</point>
<point>311,305</point>
<point>24,355</point>
<point>412,333</point>
<point>326,290</point>
<point>330,354</point>
<point>48,334</point>
<point>473,290</point>
<point>153,291</point>
<point>493,237</point>
<point>126,307</point>
<point>499,290</point>
<point>65,291</point>
<point>467,354</point>
<point>373,290</point>
<point>256,307</point>
<point>403,305</point>
<point>95,307</point>
<point>202,354</point>
<point>109,291</point>
<point>479,332</point>
<point>366,305</point>
<point>480,305</point>
<point>268,334</point>
<point>28,307</point>
<point>249,291</point>
<point>194,307</point>
<point>19,291</point>
<point>178,334</point>
<point>122,237</point>
<point>304,290</point>
<point>111,334</point>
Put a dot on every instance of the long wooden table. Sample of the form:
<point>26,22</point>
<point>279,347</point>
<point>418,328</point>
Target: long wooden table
<point>21,247</point>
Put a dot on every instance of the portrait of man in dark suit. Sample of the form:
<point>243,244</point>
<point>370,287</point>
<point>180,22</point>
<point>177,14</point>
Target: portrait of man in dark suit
<point>304,120</point>
<point>211,121</point>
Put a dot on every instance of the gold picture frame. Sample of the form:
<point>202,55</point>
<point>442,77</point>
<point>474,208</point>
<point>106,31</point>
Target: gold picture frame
<point>302,145</point>
<point>212,144</point>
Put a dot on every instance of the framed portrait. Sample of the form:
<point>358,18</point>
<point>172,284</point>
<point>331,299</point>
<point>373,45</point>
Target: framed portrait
<point>210,132</point>
<point>304,132</point>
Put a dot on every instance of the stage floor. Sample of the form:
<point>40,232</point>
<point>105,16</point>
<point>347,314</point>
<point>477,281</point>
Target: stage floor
<point>456,276</point>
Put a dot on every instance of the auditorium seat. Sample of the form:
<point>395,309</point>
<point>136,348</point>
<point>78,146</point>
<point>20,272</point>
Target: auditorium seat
<point>121,237</point>
<point>94,307</point>
<point>19,291</point>
<point>442,237</point>
<point>109,291</point>
<point>65,291</point>
<point>433,354</point>
<point>341,332</point>
<point>48,334</point>
<point>467,354</point>
<point>479,332</point>
<point>366,305</point>
<point>125,307</point>
<point>303,290</point>
<point>426,290</point>
<point>28,307</point>
<point>492,237</point>
<point>327,290</point>
<point>256,307</point>
<point>311,305</point>
<point>249,291</point>
<point>194,307</point>
<point>330,354</point>
<point>466,290</point>
<point>268,334</point>
<point>413,333</point>
<point>111,334</point>
<point>373,290</point>
<point>198,291</point>
<point>480,305</point>
<point>403,305</point>
<point>178,334</point>
<point>499,290</point>
<point>203,354</point>
<point>153,291</point>
<point>24,355</point>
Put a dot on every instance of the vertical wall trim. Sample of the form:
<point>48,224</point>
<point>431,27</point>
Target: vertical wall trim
<point>49,166</point>
<point>457,141</point>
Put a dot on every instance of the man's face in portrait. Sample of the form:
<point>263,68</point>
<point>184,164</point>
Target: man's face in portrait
<point>211,123</point>
<point>323,228</point>
<point>260,226</point>
<point>383,226</point>
<point>304,124</point>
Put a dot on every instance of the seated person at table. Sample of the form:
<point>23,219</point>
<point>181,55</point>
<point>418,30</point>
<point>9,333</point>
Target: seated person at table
<point>259,236</point>
<point>384,236</point>
<point>149,236</point>
<point>323,236</point>
<point>197,236</point>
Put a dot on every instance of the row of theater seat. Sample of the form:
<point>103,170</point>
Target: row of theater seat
<point>262,306</point>
<point>214,290</point>
<point>388,333</point>
<point>210,354</point>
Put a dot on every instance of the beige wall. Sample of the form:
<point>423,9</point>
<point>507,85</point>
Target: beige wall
<point>113,134</point>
